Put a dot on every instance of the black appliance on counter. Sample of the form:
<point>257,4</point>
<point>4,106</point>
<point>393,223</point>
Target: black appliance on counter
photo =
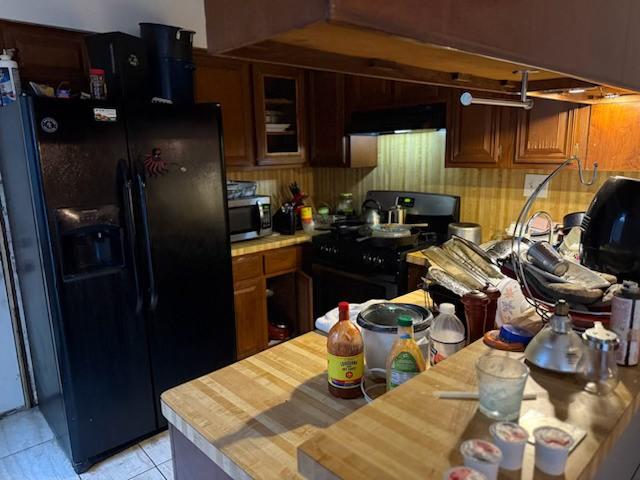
<point>356,271</point>
<point>611,229</point>
<point>170,51</point>
<point>120,231</point>
<point>123,58</point>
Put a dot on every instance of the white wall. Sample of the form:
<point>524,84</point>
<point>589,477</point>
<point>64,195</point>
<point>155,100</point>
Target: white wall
<point>109,15</point>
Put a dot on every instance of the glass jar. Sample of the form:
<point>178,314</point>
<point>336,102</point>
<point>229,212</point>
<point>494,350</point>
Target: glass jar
<point>97,84</point>
<point>597,368</point>
<point>345,205</point>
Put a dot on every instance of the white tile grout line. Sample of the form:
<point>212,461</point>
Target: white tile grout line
<point>148,456</point>
<point>162,474</point>
<point>53,439</point>
<point>148,470</point>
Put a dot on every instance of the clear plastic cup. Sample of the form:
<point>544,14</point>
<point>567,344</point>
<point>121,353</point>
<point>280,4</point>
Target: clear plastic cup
<point>511,438</point>
<point>482,456</point>
<point>552,449</point>
<point>501,382</point>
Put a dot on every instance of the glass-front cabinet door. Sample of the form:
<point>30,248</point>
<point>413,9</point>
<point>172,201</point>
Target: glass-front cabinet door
<point>279,107</point>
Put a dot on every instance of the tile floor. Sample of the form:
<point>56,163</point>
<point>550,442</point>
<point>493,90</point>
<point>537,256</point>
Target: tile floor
<point>28,451</point>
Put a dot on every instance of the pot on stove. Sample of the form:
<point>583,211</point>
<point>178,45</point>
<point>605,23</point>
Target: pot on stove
<point>379,329</point>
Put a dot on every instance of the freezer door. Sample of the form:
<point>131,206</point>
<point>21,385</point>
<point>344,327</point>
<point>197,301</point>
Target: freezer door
<point>101,334</point>
<point>183,228</point>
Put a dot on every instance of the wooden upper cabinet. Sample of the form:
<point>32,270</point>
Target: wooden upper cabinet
<point>410,93</point>
<point>366,93</point>
<point>330,146</point>
<point>473,135</point>
<point>279,105</point>
<point>550,132</point>
<point>613,137</point>
<point>327,119</point>
<point>47,55</point>
<point>228,82</point>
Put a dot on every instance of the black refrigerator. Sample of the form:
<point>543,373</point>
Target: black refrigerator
<point>120,233</point>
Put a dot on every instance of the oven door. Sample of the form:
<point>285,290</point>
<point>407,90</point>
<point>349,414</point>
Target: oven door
<point>331,285</point>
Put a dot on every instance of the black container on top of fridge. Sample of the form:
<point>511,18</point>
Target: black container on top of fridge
<point>123,58</point>
<point>120,231</point>
<point>170,51</point>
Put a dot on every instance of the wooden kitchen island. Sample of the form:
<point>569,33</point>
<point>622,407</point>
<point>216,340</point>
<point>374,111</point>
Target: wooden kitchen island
<point>270,416</point>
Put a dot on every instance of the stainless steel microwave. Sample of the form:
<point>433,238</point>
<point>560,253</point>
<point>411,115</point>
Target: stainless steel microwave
<point>249,217</point>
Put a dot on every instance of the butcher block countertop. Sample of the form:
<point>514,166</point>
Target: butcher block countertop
<point>274,240</point>
<point>417,258</point>
<point>253,418</point>
<point>410,434</point>
<point>250,417</point>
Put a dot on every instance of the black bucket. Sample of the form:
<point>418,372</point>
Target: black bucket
<point>172,79</point>
<point>171,66</point>
<point>165,41</point>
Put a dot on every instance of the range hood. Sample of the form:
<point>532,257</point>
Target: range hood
<point>398,120</point>
<point>566,46</point>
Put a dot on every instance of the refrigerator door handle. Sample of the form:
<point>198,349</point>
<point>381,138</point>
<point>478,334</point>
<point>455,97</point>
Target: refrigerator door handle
<point>130,224</point>
<point>153,295</point>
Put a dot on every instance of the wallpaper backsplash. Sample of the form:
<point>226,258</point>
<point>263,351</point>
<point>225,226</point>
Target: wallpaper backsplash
<point>275,182</point>
<point>415,162</point>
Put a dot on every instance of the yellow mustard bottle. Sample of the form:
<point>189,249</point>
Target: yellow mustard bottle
<point>405,359</point>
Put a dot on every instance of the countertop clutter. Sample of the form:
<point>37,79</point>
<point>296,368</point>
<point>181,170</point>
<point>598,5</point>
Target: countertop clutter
<point>270,416</point>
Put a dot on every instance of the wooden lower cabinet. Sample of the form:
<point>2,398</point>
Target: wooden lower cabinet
<point>280,272</point>
<point>249,298</point>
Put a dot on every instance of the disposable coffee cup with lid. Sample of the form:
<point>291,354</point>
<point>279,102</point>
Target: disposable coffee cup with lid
<point>482,456</point>
<point>511,439</point>
<point>552,449</point>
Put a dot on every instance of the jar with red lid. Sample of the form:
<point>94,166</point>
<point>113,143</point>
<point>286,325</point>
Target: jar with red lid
<point>97,84</point>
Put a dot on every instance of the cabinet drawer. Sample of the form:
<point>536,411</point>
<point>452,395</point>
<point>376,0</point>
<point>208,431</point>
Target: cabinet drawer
<point>280,260</point>
<point>246,266</point>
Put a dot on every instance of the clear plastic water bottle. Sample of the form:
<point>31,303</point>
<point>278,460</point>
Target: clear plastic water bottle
<point>447,334</point>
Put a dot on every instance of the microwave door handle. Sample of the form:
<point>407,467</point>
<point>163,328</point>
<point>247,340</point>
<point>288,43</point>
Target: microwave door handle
<point>260,215</point>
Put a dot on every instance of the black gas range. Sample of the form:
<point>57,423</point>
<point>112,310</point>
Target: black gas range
<point>346,268</point>
<point>355,256</point>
